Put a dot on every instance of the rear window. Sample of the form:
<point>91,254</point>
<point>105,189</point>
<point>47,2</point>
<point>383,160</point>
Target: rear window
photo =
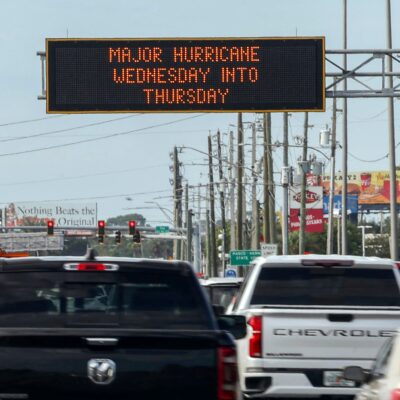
<point>223,295</point>
<point>327,287</point>
<point>142,298</point>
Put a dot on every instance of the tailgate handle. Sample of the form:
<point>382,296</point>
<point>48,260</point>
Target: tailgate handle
<point>102,341</point>
<point>340,317</point>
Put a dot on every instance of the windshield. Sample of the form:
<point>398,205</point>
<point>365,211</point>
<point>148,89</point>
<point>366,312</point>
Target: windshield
<point>326,287</point>
<point>141,298</point>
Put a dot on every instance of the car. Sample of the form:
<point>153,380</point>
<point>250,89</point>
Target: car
<point>112,328</point>
<point>221,291</point>
<point>382,382</point>
<point>309,317</point>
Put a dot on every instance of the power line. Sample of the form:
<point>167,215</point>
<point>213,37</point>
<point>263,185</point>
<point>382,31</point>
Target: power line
<point>67,129</point>
<point>100,138</point>
<point>82,176</point>
<point>92,197</point>
<point>30,120</point>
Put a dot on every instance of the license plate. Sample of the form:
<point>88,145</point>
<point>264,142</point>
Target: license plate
<point>335,378</point>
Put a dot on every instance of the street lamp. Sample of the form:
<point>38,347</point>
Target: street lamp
<point>363,227</point>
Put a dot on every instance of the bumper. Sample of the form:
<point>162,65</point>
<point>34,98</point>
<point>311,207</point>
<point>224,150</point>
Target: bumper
<point>290,384</point>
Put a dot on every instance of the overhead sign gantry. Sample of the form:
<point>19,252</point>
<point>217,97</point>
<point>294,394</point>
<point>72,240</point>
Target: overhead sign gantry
<point>185,75</point>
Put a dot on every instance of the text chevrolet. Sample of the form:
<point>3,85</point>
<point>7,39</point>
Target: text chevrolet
<point>111,328</point>
<point>311,316</point>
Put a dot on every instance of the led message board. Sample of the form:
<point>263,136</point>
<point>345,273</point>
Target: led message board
<point>185,75</point>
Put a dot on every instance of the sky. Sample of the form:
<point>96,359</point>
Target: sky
<point>126,173</point>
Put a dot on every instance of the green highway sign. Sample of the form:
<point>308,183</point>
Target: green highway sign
<point>162,229</point>
<point>243,257</point>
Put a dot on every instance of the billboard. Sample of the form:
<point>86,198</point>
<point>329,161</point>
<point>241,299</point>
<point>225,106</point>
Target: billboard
<point>185,75</point>
<point>371,187</point>
<point>64,215</point>
<point>314,209</point>
<point>352,203</point>
<point>314,198</point>
<point>13,242</point>
<point>314,220</point>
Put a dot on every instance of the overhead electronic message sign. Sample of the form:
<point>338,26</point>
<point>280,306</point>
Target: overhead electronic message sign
<point>185,75</point>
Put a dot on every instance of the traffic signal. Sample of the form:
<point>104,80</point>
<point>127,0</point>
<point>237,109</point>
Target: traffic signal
<point>101,227</point>
<point>50,227</point>
<point>136,237</point>
<point>117,237</point>
<point>132,227</point>
<point>101,230</point>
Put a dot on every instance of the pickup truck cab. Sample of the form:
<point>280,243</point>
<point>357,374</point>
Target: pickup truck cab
<point>221,291</point>
<point>111,328</point>
<point>311,316</point>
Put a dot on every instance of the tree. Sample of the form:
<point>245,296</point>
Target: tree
<point>122,220</point>
<point>316,242</point>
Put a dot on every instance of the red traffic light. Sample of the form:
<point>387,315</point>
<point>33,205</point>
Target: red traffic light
<point>132,227</point>
<point>50,227</point>
<point>101,225</point>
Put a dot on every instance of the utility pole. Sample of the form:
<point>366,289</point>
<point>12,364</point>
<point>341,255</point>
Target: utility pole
<point>266,211</point>
<point>344,139</point>
<point>198,255</point>
<point>285,186</point>
<point>222,200</point>
<point>240,144</point>
<point>255,224</point>
<point>303,210</point>
<point>213,243</point>
<point>208,244</point>
<point>196,243</point>
<point>184,245</point>
<point>329,245</point>
<point>232,177</point>
<point>177,202</point>
<point>271,185</point>
<point>189,227</point>
<point>394,248</point>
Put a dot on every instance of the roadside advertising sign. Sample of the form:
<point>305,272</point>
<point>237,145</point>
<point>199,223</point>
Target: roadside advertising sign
<point>64,215</point>
<point>314,220</point>
<point>371,187</point>
<point>314,198</point>
<point>12,242</point>
<point>352,203</point>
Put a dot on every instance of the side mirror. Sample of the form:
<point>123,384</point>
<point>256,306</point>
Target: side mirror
<point>234,324</point>
<point>356,374</point>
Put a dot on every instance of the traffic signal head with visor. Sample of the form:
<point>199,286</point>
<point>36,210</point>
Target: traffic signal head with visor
<point>132,227</point>
<point>101,228</point>
<point>118,237</point>
<point>136,237</point>
<point>50,227</point>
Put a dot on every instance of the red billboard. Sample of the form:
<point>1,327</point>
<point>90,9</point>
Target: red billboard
<point>314,220</point>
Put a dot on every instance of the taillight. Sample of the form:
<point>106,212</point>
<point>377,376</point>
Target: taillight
<point>90,266</point>
<point>395,394</point>
<point>227,373</point>
<point>255,348</point>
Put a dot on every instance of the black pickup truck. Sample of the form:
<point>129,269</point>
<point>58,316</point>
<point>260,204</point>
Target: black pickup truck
<point>87,328</point>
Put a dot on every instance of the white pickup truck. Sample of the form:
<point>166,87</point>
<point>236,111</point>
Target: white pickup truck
<point>311,316</point>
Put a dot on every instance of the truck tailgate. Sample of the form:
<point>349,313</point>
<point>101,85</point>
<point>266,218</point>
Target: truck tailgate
<point>326,334</point>
<point>147,365</point>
